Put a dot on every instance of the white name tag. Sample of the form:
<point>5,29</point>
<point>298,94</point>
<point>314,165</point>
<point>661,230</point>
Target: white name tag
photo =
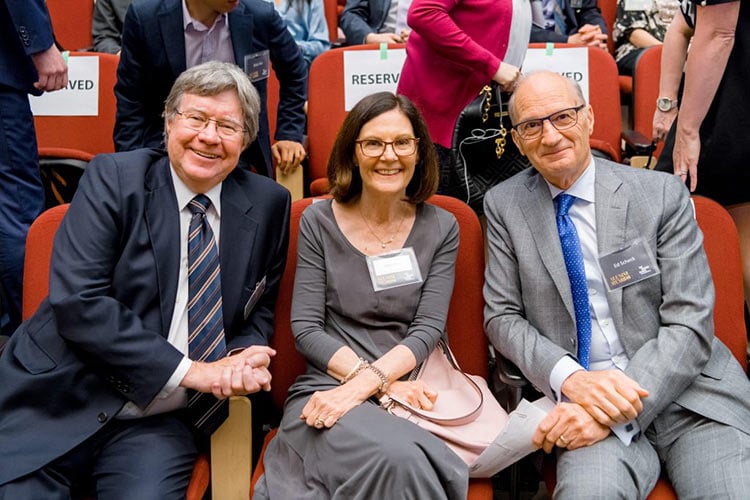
<point>394,269</point>
<point>257,65</point>
<point>637,4</point>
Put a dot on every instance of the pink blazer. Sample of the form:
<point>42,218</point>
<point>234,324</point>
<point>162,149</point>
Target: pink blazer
<point>454,49</point>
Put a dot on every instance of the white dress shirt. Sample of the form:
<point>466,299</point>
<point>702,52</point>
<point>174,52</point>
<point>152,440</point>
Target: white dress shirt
<point>172,396</point>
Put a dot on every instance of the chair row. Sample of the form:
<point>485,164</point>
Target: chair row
<point>230,463</point>
<point>326,109</point>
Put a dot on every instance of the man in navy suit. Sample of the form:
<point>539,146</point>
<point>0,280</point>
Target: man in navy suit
<point>29,64</point>
<point>162,38</point>
<point>578,22</point>
<point>95,384</point>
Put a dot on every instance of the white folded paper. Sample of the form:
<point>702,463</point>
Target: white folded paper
<point>514,442</point>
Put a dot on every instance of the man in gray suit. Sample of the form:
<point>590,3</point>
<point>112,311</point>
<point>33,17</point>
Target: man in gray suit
<point>627,347</point>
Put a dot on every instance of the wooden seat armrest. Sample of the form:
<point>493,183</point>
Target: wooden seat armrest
<point>231,452</point>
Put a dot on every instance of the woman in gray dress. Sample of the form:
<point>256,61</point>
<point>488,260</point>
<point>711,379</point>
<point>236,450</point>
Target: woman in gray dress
<point>372,287</point>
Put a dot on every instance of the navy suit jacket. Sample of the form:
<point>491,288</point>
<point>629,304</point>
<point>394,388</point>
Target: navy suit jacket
<point>587,13</point>
<point>153,56</point>
<point>100,339</point>
<point>362,17</point>
<point>25,29</point>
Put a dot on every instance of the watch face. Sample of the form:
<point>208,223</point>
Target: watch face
<point>664,104</point>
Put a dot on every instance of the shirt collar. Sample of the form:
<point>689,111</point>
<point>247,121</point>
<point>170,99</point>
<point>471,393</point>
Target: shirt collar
<point>189,21</point>
<point>583,187</point>
<point>185,194</point>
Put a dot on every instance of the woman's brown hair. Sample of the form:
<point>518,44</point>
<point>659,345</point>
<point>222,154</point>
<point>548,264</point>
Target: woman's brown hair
<point>343,173</point>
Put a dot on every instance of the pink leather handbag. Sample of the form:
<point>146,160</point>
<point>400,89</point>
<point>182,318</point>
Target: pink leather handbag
<point>466,414</point>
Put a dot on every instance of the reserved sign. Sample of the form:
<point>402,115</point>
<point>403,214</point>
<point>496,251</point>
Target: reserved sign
<point>369,71</point>
<point>572,62</point>
<point>79,98</point>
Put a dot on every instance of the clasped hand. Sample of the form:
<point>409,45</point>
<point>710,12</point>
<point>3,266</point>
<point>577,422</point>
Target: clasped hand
<point>609,396</point>
<point>243,373</point>
<point>590,35</point>
<point>325,408</point>
<point>568,426</point>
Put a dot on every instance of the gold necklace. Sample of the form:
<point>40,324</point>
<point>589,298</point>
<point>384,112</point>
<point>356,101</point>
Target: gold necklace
<point>383,243</point>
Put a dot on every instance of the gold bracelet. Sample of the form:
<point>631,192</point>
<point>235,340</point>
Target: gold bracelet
<point>384,382</point>
<point>361,365</point>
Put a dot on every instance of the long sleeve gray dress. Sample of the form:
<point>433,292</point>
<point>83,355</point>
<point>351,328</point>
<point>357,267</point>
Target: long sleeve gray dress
<point>368,453</point>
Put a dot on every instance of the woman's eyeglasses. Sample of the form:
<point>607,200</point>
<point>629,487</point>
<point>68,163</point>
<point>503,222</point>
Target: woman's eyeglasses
<point>374,148</point>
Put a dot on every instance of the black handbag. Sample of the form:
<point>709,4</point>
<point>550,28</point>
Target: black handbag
<point>483,153</point>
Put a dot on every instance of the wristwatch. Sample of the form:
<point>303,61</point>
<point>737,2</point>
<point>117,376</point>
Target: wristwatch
<point>666,104</point>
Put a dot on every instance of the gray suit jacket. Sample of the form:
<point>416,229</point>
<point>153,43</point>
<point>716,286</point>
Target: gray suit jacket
<point>665,322</point>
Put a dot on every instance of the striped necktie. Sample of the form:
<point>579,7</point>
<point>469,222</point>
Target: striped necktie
<point>205,322</point>
<point>573,257</point>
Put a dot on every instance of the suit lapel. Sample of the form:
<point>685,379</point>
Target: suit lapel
<point>611,219</point>
<point>173,34</point>
<point>539,213</point>
<point>163,222</point>
<point>241,30</point>
<point>238,230</point>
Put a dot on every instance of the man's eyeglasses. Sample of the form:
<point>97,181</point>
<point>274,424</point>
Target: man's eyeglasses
<point>561,120</point>
<point>198,122</point>
<point>374,148</point>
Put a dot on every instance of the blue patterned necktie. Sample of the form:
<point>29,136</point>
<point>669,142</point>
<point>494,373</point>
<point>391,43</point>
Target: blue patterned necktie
<point>205,323</point>
<point>571,250</point>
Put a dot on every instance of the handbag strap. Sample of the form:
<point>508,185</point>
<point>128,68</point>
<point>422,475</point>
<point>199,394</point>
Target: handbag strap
<point>470,416</point>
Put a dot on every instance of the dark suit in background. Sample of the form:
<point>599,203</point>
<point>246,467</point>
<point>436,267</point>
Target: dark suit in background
<point>153,55</point>
<point>362,17</point>
<point>25,30</point>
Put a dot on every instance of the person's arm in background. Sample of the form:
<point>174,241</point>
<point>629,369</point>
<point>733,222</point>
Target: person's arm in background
<point>432,20</point>
<point>32,22</point>
<point>713,42</point>
<point>318,40</point>
<point>356,21</point>
<point>631,26</point>
<point>673,55</point>
<point>106,25</point>
<point>291,71</point>
<point>132,77</point>
<point>592,29</point>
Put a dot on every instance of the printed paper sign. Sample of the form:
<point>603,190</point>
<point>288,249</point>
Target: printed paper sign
<point>369,71</point>
<point>572,62</point>
<point>79,98</point>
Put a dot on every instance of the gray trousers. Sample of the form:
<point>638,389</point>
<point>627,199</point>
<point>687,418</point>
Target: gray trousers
<point>702,458</point>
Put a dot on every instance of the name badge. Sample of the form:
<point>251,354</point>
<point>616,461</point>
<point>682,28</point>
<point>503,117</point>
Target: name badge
<point>257,65</point>
<point>576,4</point>
<point>637,4</point>
<point>628,265</point>
<point>394,269</point>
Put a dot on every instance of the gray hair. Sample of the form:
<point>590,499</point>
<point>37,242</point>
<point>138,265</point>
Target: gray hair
<point>213,78</point>
<point>512,101</point>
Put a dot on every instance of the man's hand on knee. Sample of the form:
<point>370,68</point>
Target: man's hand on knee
<point>610,396</point>
<point>568,426</point>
